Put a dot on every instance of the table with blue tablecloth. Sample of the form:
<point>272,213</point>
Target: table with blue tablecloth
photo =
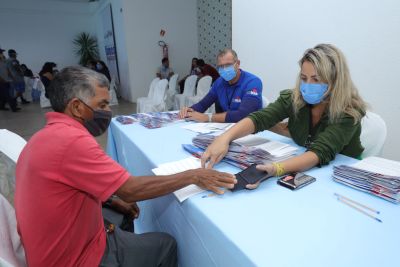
<point>269,226</point>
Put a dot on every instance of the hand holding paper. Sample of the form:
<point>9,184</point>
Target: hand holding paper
<point>215,152</point>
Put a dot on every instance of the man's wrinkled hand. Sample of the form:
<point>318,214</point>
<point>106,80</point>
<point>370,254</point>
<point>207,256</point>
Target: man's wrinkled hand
<point>213,180</point>
<point>184,112</point>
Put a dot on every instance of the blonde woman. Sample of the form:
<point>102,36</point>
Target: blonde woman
<point>324,111</point>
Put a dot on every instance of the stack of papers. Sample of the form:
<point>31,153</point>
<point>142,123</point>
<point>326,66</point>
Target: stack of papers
<point>246,151</point>
<point>155,120</point>
<point>208,127</point>
<point>377,176</point>
<point>180,166</point>
<point>279,150</point>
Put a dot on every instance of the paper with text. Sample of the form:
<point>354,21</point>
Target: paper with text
<point>180,166</point>
<point>379,165</point>
<point>275,148</point>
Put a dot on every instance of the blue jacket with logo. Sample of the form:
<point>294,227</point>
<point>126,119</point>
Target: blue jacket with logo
<point>237,100</point>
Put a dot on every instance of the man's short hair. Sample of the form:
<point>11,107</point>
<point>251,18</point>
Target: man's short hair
<point>164,60</point>
<point>226,51</point>
<point>74,82</point>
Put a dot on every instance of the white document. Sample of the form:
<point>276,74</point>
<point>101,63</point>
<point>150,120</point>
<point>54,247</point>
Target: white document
<point>379,165</point>
<point>180,166</point>
<point>251,140</point>
<point>275,148</point>
<point>278,149</point>
<point>207,127</point>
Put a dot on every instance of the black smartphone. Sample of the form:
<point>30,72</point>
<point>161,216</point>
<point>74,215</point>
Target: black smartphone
<point>251,175</point>
<point>296,180</point>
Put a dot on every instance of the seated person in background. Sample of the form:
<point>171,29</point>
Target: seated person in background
<point>194,70</point>
<point>164,71</point>
<point>63,176</point>
<point>46,75</point>
<point>206,69</point>
<point>101,67</point>
<point>324,111</point>
<point>236,93</point>
<point>5,81</point>
<point>17,76</point>
<point>91,64</point>
<point>26,71</point>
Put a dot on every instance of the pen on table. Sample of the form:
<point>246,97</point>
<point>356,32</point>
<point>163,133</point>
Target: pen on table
<point>357,203</point>
<point>210,195</point>
<point>350,204</point>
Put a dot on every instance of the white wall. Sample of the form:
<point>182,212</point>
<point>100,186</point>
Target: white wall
<point>143,21</point>
<point>43,31</point>
<point>271,36</point>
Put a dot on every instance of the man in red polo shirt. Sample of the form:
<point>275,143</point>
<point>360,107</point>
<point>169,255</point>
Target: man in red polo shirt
<point>63,176</point>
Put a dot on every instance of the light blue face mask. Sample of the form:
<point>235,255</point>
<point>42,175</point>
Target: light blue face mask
<point>227,73</point>
<point>313,93</point>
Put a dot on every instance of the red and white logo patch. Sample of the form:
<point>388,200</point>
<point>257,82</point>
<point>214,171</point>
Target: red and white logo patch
<point>253,92</point>
<point>237,100</point>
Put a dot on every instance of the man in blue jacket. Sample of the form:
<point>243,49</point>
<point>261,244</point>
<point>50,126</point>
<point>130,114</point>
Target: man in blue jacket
<point>236,93</point>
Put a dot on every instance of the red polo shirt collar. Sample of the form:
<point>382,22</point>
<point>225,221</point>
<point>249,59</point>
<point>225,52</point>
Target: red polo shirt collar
<point>58,117</point>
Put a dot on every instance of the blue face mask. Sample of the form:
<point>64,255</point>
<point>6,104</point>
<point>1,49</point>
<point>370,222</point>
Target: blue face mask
<point>313,93</point>
<point>227,73</point>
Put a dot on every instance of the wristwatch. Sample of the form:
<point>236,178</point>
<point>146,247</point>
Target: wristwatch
<point>209,117</point>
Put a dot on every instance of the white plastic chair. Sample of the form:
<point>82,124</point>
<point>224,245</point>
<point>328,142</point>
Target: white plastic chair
<point>11,249</point>
<point>173,81</point>
<point>142,100</point>
<point>113,93</point>
<point>158,102</point>
<point>11,144</point>
<point>265,102</point>
<point>203,87</point>
<point>373,134</point>
<point>12,252</point>
<point>188,90</point>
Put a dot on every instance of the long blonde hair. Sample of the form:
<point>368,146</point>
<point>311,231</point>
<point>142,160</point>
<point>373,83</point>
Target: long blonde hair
<point>330,65</point>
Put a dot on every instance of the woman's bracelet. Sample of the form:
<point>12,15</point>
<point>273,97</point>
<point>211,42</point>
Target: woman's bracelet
<point>279,169</point>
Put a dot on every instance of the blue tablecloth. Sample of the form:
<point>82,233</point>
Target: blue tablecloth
<point>270,226</point>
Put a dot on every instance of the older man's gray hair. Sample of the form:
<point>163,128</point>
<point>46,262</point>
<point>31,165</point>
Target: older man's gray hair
<point>226,51</point>
<point>73,82</point>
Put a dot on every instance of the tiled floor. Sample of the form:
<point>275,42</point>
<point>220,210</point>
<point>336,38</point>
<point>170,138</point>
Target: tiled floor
<point>31,119</point>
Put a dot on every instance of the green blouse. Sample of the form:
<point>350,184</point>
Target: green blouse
<point>327,139</point>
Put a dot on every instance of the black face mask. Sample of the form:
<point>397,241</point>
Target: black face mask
<point>99,123</point>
